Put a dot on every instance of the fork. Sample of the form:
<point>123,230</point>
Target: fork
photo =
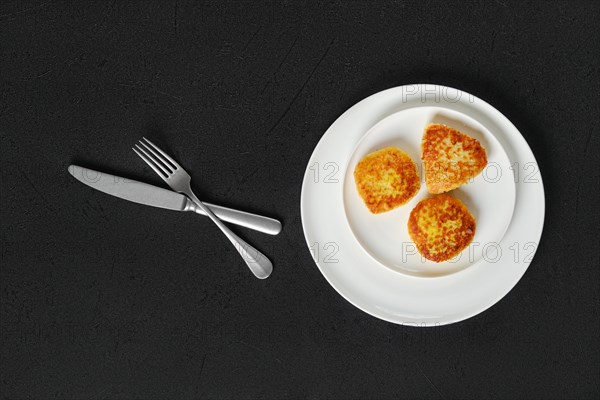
<point>179,180</point>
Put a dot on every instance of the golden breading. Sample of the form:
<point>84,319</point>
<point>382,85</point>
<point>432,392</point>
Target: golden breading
<point>386,179</point>
<point>441,227</point>
<point>451,158</point>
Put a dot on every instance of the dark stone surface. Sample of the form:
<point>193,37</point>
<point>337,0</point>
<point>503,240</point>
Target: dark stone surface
<point>106,299</point>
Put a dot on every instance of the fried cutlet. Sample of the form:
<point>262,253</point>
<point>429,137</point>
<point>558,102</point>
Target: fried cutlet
<point>441,227</point>
<point>386,179</point>
<point>451,158</point>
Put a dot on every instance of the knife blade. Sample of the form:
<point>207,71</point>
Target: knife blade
<point>143,193</point>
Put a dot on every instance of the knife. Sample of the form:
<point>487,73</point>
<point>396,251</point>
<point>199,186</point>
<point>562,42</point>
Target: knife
<point>143,193</point>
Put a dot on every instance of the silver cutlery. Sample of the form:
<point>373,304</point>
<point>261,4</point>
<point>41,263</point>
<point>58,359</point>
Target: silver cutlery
<point>179,180</point>
<point>144,193</point>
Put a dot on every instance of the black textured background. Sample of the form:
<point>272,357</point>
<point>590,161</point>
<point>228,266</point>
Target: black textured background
<point>106,299</point>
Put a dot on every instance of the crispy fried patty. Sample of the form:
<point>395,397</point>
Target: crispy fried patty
<point>451,158</point>
<point>386,179</point>
<point>441,227</point>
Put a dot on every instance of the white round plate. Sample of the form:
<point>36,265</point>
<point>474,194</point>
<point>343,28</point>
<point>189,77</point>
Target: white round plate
<point>370,260</point>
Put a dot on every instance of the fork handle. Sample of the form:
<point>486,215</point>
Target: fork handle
<point>258,263</point>
<point>253,221</point>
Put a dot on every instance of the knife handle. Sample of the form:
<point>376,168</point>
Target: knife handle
<point>253,221</point>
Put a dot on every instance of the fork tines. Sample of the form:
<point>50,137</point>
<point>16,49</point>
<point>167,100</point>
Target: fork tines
<point>157,159</point>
